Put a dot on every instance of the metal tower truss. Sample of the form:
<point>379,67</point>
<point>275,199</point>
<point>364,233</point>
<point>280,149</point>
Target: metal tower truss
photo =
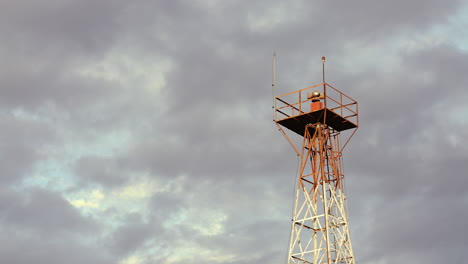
<point>321,114</point>
<point>320,231</point>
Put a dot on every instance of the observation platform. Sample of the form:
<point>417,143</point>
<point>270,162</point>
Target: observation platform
<point>338,110</point>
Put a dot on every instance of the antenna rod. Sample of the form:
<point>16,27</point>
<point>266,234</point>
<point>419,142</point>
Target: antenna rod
<point>323,78</point>
<point>274,83</point>
<point>323,70</point>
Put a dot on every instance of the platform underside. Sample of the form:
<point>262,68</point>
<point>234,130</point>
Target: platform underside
<point>326,116</point>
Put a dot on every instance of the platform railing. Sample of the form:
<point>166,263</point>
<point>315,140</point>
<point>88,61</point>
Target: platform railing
<point>296,103</point>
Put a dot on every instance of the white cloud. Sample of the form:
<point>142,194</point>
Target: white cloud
<point>88,200</point>
<point>137,191</point>
<point>130,70</point>
<point>272,15</point>
<point>131,260</point>
<point>190,252</point>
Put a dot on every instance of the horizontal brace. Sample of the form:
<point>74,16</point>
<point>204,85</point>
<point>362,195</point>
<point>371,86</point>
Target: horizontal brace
<point>283,113</point>
<point>319,229</point>
<point>303,260</point>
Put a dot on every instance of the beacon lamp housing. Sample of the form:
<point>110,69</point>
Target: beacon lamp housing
<point>315,95</point>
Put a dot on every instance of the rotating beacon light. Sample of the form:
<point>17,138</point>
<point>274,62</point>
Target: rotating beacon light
<point>315,97</point>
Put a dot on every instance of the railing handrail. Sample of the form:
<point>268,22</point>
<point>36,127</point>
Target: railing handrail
<point>341,93</point>
<point>297,106</point>
<point>303,89</point>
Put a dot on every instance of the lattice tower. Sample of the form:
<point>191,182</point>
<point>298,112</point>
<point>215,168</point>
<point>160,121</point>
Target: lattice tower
<point>320,228</point>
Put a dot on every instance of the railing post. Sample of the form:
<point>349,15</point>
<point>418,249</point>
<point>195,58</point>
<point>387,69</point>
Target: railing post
<point>325,95</point>
<point>341,102</point>
<point>274,106</point>
<point>300,102</point>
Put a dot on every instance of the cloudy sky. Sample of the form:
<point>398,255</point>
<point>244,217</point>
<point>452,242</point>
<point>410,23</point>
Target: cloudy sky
<point>136,132</point>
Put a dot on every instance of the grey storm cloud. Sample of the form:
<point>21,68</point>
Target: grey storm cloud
<point>105,171</point>
<point>20,141</point>
<point>206,137</point>
<point>131,236</point>
<point>43,211</point>
<point>34,249</point>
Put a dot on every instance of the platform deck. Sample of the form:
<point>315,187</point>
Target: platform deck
<point>326,116</point>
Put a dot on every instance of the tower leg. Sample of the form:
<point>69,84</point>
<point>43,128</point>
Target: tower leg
<point>320,231</point>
